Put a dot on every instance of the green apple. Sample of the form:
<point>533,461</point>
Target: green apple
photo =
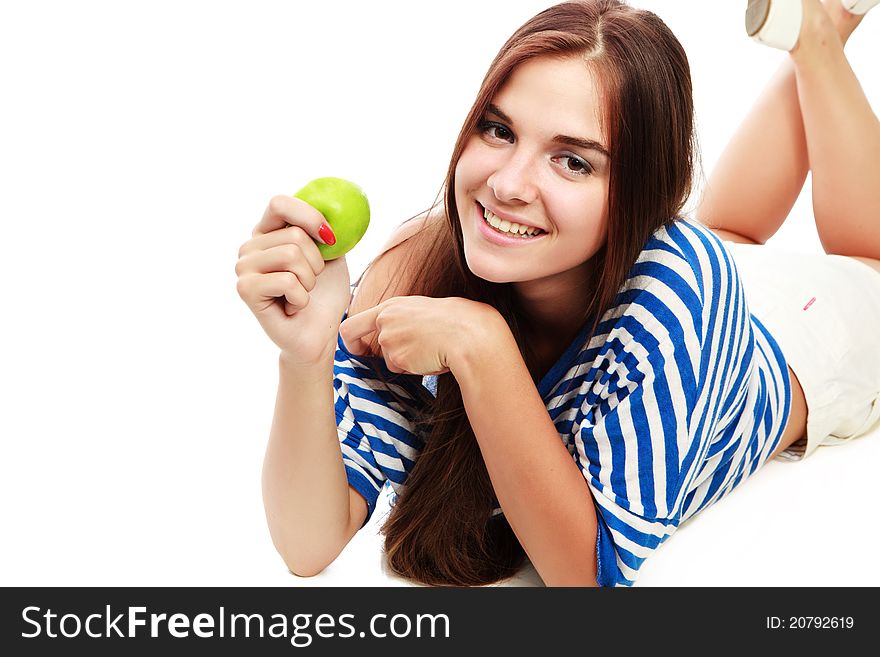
<point>344,206</point>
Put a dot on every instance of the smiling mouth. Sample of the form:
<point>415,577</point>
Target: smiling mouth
<point>508,228</point>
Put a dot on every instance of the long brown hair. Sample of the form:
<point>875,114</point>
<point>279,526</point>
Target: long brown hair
<point>441,530</point>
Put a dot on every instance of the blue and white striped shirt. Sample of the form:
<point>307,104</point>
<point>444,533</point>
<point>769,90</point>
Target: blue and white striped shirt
<point>680,395</point>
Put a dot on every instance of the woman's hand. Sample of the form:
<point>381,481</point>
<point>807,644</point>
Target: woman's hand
<point>422,335</point>
<point>298,299</point>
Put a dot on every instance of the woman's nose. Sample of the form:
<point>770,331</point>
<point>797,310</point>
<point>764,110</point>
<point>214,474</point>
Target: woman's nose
<point>515,180</point>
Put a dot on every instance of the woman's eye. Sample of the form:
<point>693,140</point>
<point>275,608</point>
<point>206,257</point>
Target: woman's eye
<point>495,131</point>
<point>576,165</point>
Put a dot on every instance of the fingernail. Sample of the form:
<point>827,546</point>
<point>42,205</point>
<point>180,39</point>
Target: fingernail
<point>326,234</point>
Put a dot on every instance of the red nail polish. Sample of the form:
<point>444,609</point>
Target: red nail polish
<point>326,234</point>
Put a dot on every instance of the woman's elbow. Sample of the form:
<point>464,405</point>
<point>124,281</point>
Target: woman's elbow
<point>306,566</point>
<point>305,572</point>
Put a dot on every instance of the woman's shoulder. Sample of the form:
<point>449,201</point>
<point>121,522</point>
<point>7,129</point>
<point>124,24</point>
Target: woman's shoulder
<point>413,226</point>
<point>682,239</point>
<point>685,252</point>
<point>391,272</point>
<point>682,281</point>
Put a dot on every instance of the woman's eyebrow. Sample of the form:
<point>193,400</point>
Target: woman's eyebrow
<point>588,144</point>
<point>579,142</point>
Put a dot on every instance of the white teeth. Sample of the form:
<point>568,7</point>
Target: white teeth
<point>511,228</point>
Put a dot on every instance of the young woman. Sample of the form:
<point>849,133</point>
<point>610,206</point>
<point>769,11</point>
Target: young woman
<point>553,362</point>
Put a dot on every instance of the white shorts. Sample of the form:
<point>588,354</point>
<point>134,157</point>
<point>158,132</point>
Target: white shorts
<point>824,311</point>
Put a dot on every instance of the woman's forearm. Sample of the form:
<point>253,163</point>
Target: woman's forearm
<point>305,489</point>
<point>540,488</point>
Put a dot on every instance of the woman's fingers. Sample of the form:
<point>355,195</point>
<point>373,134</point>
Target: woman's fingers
<point>292,235</point>
<point>284,257</point>
<point>287,210</point>
<point>279,270</point>
<point>391,365</point>
<point>260,290</point>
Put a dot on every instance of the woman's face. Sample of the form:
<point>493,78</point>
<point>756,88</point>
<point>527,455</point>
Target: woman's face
<point>539,159</point>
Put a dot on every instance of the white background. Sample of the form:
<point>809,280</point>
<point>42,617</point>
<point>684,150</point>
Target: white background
<point>139,144</point>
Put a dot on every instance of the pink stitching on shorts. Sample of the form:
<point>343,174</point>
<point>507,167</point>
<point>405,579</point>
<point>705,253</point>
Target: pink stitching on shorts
<point>809,303</point>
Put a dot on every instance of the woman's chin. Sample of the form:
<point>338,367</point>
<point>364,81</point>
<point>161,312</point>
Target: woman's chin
<point>481,269</point>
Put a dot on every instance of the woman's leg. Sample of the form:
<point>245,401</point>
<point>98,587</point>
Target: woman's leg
<point>761,173</point>
<point>762,170</point>
<point>842,137</point>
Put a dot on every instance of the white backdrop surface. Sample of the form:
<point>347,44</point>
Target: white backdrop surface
<point>139,144</point>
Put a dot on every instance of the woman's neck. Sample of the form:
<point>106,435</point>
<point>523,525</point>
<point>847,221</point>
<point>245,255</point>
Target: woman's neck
<point>555,311</point>
<point>555,306</point>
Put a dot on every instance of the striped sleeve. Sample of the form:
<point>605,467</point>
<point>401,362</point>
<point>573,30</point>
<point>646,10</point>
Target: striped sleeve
<point>373,422</point>
<point>634,442</point>
<point>651,409</point>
